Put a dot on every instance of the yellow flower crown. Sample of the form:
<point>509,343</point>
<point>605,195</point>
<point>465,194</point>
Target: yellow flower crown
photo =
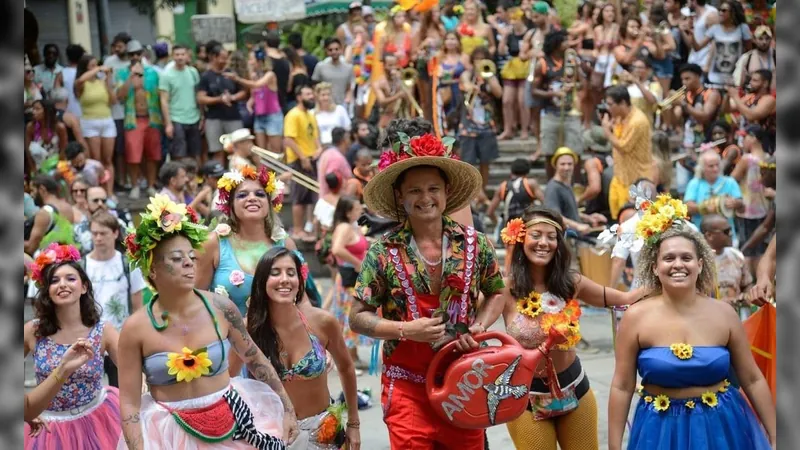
<point>659,216</point>
<point>228,183</point>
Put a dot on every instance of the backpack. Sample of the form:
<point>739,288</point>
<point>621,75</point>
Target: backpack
<point>516,199</point>
<point>126,270</point>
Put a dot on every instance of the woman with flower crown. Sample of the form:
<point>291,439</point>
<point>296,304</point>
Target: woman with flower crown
<point>683,343</point>
<point>84,414</point>
<point>541,293</point>
<point>251,201</point>
<point>181,341</point>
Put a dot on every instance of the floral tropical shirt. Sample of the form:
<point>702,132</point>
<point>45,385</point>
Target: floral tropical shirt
<point>379,286</point>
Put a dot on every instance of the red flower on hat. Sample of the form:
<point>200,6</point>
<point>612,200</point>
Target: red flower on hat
<point>130,244</point>
<point>427,145</point>
<point>193,217</point>
<point>389,157</point>
<point>465,30</point>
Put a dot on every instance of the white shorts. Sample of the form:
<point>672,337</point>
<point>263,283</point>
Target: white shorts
<point>104,128</point>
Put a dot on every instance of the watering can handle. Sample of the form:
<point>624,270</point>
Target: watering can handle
<point>451,346</point>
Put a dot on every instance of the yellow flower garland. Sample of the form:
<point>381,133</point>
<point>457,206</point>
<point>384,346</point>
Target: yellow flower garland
<point>531,305</point>
<point>661,402</point>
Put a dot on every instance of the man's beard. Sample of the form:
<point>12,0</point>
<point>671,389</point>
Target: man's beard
<point>38,200</point>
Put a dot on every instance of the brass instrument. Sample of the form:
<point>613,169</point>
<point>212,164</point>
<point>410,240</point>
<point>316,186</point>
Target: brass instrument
<point>273,161</point>
<point>408,78</point>
<point>667,102</point>
<point>623,78</point>
<point>486,69</point>
<point>662,28</point>
<point>571,67</point>
<point>682,156</point>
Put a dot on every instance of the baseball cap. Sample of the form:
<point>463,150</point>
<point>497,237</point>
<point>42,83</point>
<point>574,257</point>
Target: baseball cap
<point>761,30</point>
<point>541,8</point>
<point>355,5</point>
<point>367,11</point>
<point>212,169</point>
<point>134,46</point>
<point>161,49</point>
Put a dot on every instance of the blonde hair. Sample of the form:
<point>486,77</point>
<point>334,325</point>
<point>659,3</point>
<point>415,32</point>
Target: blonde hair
<point>324,86</point>
<point>706,280</point>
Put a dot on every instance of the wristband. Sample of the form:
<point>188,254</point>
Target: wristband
<point>57,376</point>
<point>355,424</point>
<point>402,335</point>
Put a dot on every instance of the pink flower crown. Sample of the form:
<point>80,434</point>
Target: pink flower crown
<point>228,183</point>
<point>55,253</point>
<point>425,145</point>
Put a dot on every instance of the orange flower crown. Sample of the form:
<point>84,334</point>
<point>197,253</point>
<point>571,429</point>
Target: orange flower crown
<point>516,230</point>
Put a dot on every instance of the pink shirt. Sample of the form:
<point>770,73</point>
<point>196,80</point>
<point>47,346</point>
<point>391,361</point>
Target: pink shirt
<point>332,161</point>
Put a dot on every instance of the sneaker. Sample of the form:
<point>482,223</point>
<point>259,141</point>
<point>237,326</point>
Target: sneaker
<point>151,191</point>
<point>134,194</point>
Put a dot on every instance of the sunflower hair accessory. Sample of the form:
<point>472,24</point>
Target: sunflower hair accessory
<point>162,218</point>
<point>55,253</point>
<point>767,165</point>
<point>230,180</point>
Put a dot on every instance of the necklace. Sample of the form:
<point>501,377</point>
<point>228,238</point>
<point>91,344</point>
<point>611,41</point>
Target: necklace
<point>445,244</point>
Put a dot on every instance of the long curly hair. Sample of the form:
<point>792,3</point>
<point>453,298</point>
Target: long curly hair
<point>560,281</point>
<point>45,309</point>
<point>259,323</point>
<point>648,257</point>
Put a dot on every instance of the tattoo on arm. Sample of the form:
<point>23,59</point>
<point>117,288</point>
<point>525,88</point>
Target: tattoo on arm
<point>232,315</point>
<point>263,371</point>
<point>132,419</point>
<point>363,320</point>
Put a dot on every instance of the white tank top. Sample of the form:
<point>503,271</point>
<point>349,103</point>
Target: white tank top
<point>700,57</point>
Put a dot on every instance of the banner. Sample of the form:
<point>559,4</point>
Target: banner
<point>218,27</point>
<point>260,11</point>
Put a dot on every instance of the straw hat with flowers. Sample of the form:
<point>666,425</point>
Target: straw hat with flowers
<point>464,181</point>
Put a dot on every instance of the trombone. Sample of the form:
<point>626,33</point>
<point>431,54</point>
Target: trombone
<point>667,102</point>
<point>273,161</point>
<point>486,69</point>
<point>408,78</point>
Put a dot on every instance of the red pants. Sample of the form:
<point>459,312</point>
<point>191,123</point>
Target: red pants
<point>142,141</point>
<point>413,425</point>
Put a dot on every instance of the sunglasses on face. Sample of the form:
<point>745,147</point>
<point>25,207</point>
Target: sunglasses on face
<point>135,54</point>
<point>138,74</point>
<point>99,200</point>
<point>724,10</point>
<point>79,191</point>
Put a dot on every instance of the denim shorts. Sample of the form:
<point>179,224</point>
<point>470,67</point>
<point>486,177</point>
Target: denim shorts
<point>663,68</point>
<point>271,125</point>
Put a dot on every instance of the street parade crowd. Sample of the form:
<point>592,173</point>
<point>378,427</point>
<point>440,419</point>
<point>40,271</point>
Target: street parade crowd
<point>191,319</point>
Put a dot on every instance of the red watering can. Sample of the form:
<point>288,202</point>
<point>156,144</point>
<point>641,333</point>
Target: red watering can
<point>486,387</point>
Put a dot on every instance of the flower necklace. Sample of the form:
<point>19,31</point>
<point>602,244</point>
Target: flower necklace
<point>553,312</point>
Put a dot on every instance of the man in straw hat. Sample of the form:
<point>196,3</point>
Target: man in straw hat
<point>425,275</point>
<point>559,196</point>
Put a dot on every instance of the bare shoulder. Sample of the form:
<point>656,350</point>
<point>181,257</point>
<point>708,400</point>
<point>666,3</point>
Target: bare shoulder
<point>133,327</point>
<point>29,330</point>
<point>320,319</point>
<point>212,243</point>
<point>289,244</point>
<point>720,310</point>
<point>643,309</point>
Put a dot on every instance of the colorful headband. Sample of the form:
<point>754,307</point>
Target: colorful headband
<point>55,253</point>
<point>425,145</point>
<point>515,230</point>
<point>162,219</point>
<point>230,180</point>
<point>766,165</point>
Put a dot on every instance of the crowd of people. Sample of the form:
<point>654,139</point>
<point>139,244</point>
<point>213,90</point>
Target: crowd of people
<point>654,122</point>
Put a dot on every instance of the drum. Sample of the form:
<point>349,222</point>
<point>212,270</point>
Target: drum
<point>594,266</point>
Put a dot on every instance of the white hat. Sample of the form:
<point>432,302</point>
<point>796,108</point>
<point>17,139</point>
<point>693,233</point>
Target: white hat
<point>242,134</point>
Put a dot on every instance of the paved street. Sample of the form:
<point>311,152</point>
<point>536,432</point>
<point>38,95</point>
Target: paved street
<point>598,363</point>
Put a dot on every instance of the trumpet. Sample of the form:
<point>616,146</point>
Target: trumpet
<point>408,78</point>
<point>623,77</point>
<point>662,28</point>
<point>667,102</point>
<point>485,69</point>
<point>571,67</point>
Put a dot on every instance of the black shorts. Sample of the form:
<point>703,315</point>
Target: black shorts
<point>480,149</point>
<point>301,195</point>
<point>745,228</point>
<point>349,276</point>
<point>186,140</point>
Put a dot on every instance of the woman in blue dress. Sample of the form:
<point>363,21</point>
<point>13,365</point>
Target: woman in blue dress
<point>251,200</point>
<point>684,345</point>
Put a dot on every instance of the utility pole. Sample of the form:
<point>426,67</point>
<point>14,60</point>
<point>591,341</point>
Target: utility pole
<point>103,26</point>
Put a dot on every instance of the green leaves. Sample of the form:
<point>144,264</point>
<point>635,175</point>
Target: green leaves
<point>448,142</point>
<point>200,350</point>
<point>461,328</point>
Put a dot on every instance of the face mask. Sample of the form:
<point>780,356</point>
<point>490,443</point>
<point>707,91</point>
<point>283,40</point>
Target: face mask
<point>309,104</point>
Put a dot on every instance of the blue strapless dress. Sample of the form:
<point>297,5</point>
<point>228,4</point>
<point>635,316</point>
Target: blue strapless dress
<point>689,423</point>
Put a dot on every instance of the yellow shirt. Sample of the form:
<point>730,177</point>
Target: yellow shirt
<point>633,158</point>
<point>302,127</point>
<point>94,100</point>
